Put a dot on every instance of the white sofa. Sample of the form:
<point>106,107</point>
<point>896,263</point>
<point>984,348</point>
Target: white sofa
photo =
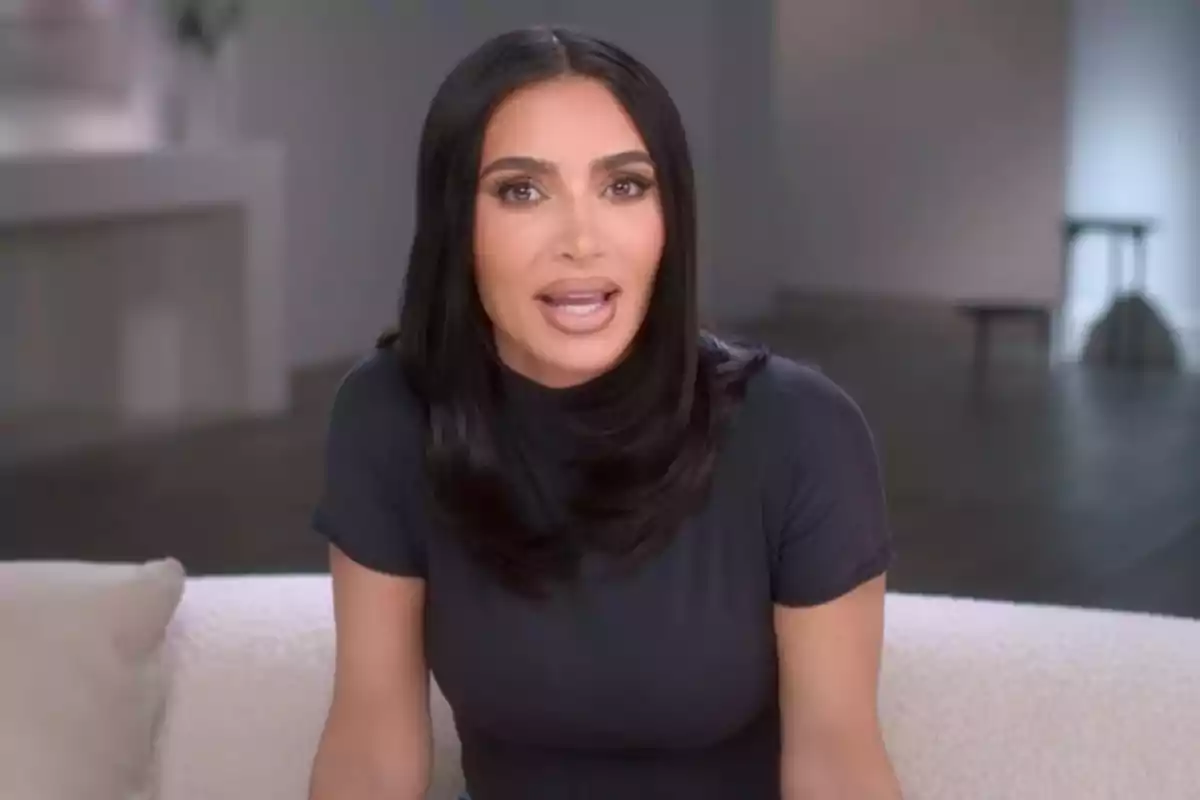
<point>980,700</point>
<point>134,682</point>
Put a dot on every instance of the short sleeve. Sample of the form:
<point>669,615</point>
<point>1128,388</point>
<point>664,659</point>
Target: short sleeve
<point>830,519</point>
<point>370,506</point>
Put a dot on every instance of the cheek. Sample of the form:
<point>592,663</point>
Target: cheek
<point>640,244</point>
<point>504,248</point>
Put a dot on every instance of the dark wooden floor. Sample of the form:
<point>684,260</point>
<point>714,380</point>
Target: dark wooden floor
<point>1065,486</point>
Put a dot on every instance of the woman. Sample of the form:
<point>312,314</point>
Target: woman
<point>639,563</point>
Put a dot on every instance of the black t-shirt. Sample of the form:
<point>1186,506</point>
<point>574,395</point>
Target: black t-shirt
<point>659,685</point>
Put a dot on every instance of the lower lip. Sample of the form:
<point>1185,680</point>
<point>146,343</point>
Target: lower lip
<point>577,320</point>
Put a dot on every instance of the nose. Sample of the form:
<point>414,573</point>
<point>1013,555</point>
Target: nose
<point>580,240</point>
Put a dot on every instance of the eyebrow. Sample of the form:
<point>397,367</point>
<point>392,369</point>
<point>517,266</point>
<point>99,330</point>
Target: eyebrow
<point>537,166</point>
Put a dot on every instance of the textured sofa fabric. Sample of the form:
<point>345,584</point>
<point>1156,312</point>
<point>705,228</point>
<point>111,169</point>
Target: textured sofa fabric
<point>82,683</point>
<point>995,700</point>
<point>252,665</point>
<point>980,700</point>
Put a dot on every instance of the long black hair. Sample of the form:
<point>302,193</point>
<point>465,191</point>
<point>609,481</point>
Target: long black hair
<point>651,439</point>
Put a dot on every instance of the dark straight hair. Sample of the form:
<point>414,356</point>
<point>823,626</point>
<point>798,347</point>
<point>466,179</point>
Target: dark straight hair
<point>650,438</point>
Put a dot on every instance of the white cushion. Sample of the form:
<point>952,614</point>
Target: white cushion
<point>81,681</point>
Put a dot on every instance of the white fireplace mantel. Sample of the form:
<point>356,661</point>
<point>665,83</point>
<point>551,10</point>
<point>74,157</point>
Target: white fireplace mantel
<point>162,265</point>
<point>63,185</point>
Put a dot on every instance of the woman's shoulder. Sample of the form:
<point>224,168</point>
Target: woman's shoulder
<point>786,392</point>
<point>371,504</point>
<point>823,502</point>
<point>799,418</point>
<point>373,401</point>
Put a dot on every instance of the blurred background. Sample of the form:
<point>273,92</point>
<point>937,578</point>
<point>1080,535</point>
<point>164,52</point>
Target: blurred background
<point>979,216</point>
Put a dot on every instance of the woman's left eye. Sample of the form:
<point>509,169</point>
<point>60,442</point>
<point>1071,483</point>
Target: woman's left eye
<point>628,188</point>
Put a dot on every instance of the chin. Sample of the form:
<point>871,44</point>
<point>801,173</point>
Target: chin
<point>572,363</point>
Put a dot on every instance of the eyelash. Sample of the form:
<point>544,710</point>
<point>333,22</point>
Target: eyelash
<point>641,185</point>
<point>504,189</point>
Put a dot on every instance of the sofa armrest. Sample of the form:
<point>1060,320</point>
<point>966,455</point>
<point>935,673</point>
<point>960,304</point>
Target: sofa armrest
<point>251,665</point>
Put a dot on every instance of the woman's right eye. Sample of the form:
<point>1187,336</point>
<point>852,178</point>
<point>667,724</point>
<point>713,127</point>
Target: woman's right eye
<point>519,193</point>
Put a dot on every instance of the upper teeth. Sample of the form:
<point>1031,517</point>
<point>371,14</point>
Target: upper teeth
<point>578,298</point>
<point>575,308</point>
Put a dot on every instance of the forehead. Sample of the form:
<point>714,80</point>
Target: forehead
<point>565,120</point>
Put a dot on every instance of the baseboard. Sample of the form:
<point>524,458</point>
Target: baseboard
<point>799,295</point>
<point>877,311</point>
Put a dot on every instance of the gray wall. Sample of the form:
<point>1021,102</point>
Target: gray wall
<point>923,143</point>
<point>1135,149</point>
<point>747,243</point>
<point>343,86</point>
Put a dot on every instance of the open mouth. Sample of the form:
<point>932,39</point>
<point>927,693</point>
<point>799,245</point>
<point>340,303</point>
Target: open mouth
<point>579,310</point>
<point>579,303</point>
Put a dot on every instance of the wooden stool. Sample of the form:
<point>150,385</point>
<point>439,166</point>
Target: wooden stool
<point>1119,230</point>
<point>984,313</point>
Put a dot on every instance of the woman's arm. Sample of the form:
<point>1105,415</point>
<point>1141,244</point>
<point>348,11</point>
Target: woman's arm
<point>376,741</point>
<point>829,666</point>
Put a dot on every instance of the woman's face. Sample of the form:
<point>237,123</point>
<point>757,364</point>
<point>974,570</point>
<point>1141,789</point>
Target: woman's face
<point>568,230</point>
